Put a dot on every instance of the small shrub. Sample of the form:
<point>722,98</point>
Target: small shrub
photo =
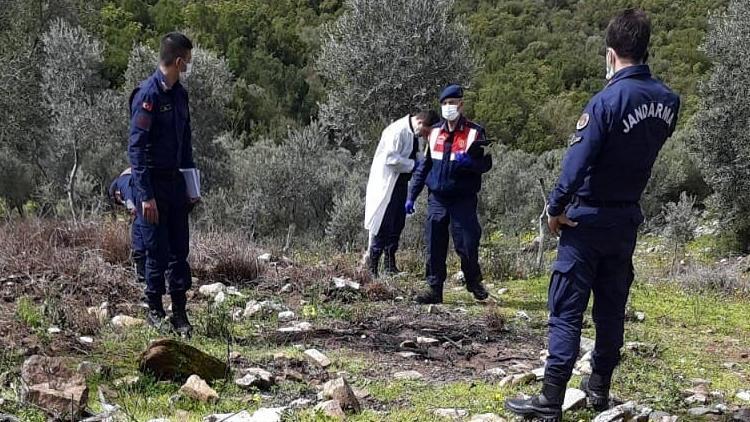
<point>29,313</point>
<point>224,257</point>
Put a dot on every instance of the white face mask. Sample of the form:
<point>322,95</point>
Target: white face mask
<point>188,69</point>
<point>610,64</point>
<point>450,112</point>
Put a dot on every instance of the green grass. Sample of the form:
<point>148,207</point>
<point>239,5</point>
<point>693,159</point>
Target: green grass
<point>695,335</point>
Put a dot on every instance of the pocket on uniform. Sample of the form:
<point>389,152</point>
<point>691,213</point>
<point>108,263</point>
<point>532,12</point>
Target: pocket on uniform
<point>559,283</point>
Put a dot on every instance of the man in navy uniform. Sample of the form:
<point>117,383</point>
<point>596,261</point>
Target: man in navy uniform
<point>452,169</point>
<point>160,145</point>
<point>594,208</point>
<point>122,193</point>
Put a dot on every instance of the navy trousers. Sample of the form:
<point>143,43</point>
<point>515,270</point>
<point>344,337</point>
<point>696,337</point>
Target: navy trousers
<point>166,243</point>
<point>596,256</point>
<point>457,216</point>
<point>394,220</point>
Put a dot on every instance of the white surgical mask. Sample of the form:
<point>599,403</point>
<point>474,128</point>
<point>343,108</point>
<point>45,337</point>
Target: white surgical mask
<point>450,112</point>
<point>610,64</point>
<point>188,69</point>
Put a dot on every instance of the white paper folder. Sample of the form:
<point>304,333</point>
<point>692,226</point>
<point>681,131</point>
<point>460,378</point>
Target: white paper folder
<point>192,182</point>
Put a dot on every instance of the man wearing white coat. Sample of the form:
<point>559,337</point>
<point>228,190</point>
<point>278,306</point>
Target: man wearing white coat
<point>395,160</point>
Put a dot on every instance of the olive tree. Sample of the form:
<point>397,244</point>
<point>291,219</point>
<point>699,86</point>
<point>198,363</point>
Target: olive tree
<point>722,140</point>
<point>382,58</point>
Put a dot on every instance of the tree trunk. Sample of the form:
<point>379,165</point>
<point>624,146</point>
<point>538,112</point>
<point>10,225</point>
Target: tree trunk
<point>72,182</point>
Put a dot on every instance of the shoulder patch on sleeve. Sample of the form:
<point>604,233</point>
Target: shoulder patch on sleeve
<point>148,106</point>
<point>143,121</point>
<point>583,121</point>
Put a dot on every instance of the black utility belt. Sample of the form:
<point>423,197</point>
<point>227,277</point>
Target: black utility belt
<point>164,173</point>
<point>594,203</point>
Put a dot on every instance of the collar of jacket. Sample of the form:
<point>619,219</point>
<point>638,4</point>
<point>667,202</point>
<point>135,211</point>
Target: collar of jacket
<point>459,125</point>
<point>631,72</point>
<point>161,78</point>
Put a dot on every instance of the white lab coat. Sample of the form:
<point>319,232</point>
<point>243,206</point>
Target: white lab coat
<point>391,159</point>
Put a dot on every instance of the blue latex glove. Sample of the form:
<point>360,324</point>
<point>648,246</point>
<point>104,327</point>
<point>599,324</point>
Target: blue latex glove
<point>409,207</point>
<point>463,159</point>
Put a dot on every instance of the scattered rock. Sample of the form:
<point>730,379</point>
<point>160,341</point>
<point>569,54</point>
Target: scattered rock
<point>53,330</point>
<point>197,389</point>
<point>742,415</point>
<point>242,416</point>
<point>332,409</point>
<point>361,393</point>
<point>59,399</point>
<point>53,386</point>
<point>407,354</point>
<point>640,316</point>
<point>523,315</point>
<point>662,417</point>
<point>522,379</point>
<point>583,368</point>
<point>408,375</point>
<point>697,399</point>
<point>126,381</point>
<point>574,398</point>
<point>641,349</point>
<point>299,327</point>
<point>211,290</point>
<point>251,309</point>
<point>256,377</point>
<point>455,414</point>
<point>344,283</point>
<point>495,372</point>
<point>267,414</point>
<point>500,293</point>
<point>169,359</point>
<point>486,417</point>
<point>86,340</point>
<point>101,312</point>
<point>428,341</point>
<point>300,404</point>
<point>539,373</point>
<point>506,381</point>
<point>286,316</point>
<point>408,344</point>
<point>159,420</point>
<point>316,357</point>
<point>743,395</point>
<point>587,345</point>
<point>702,411</point>
<point>459,277</point>
<point>219,298</point>
<point>287,288</point>
<point>124,321</point>
<point>89,369</point>
<point>265,258</point>
<point>340,390</point>
<point>622,412</point>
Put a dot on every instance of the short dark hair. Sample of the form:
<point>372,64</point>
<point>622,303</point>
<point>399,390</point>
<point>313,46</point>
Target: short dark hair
<point>428,117</point>
<point>174,45</point>
<point>629,34</point>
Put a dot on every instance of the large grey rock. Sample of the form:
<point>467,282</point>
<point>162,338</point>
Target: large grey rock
<point>256,377</point>
<point>495,372</point>
<point>315,357</point>
<point>455,414</point>
<point>340,390</point>
<point>243,416</point>
<point>197,389</point>
<point>408,375</point>
<point>211,290</point>
<point>622,412</point>
<point>574,398</point>
<point>169,359</point>
<point>54,386</point>
<point>332,409</point>
<point>125,321</point>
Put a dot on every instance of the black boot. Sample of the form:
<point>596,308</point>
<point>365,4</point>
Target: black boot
<point>373,262</point>
<point>180,323</point>
<point>546,406</point>
<point>596,388</point>
<point>430,296</point>
<point>156,314</point>
<point>477,289</point>
<point>390,263</point>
